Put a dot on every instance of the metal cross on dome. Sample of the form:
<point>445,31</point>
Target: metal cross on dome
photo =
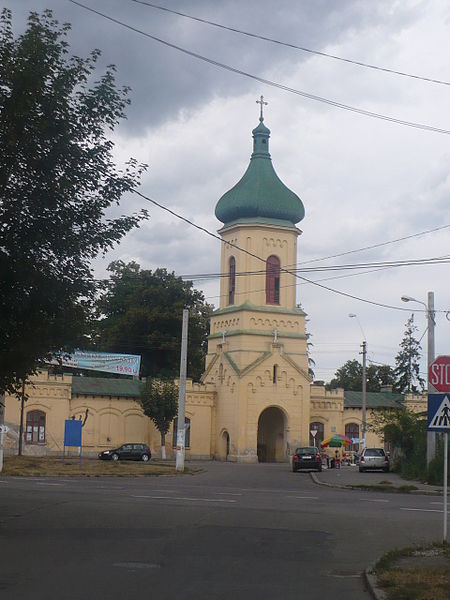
<point>262,103</point>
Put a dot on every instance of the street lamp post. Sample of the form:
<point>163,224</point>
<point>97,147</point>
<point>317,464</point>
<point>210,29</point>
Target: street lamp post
<point>364,383</point>
<point>431,323</point>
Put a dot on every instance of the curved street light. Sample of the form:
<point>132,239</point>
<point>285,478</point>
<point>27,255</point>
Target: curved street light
<point>431,322</point>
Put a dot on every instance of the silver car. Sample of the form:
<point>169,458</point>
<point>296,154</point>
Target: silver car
<point>373,458</point>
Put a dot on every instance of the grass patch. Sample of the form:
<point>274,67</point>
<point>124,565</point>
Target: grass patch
<point>415,573</point>
<point>44,466</point>
<point>383,487</point>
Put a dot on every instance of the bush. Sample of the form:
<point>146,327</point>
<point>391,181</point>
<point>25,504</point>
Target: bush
<point>436,466</point>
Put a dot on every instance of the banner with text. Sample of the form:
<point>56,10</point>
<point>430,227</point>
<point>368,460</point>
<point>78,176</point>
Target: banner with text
<point>121,364</point>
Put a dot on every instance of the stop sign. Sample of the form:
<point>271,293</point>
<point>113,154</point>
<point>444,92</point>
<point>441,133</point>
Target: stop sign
<point>439,374</point>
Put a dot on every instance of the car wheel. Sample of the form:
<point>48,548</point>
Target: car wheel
<point>319,470</point>
<point>115,456</point>
<point>294,470</point>
<point>361,470</point>
<point>386,469</point>
<point>145,457</point>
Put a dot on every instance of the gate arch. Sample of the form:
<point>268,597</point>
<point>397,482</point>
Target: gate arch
<point>272,425</point>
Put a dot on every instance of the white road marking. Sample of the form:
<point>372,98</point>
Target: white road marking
<point>373,500</point>
<point>135,565</point>
<point>3,481</point>
<point>304,497</point>
<point>440,503</point>
<point>227,494</point>
<point>184,498</point>
<point>424,509</point>
<point>47,483</point>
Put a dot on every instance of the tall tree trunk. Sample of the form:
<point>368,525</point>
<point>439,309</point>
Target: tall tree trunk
<point>163,446</point>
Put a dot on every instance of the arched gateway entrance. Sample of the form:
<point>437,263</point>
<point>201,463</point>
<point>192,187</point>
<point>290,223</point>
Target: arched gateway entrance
<point>271,435</point>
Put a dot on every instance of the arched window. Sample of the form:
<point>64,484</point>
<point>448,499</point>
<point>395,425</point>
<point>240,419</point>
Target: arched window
<point>187,434</point>
<point>273,280</point>
<point>35,429</point>
<point>231,280</point>
<point>352,431</point>
<point>319,437</point>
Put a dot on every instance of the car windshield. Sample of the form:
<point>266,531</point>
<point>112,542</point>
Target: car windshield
<point>308,450</point>
<point>374,452</point>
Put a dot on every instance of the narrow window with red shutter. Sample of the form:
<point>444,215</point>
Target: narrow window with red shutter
<point>273,280</point>
<point>232,280</point>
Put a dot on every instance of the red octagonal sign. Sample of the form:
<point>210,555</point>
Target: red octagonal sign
<point>439,374</point>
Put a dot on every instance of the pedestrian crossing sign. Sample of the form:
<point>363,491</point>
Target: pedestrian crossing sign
<point>439,412</point>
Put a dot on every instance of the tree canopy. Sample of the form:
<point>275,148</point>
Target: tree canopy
<point>57,179</point>
<point>349,377</point>
<point>141,312</point>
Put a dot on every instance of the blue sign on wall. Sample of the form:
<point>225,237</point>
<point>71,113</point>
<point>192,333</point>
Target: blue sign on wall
<point>72,433</point>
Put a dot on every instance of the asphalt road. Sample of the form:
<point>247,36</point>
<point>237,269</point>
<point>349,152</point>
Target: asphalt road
<point>232,531</point>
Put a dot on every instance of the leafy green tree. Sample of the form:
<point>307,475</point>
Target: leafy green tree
<point>349,377</point>
<point>405,431</point>
<point>141,312</point>
<point>57,179</point>
<point>159,401</point>
<point>407,366</point>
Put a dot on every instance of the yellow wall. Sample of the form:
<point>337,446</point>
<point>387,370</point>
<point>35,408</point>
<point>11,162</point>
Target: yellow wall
<point>112,421</point>
<point>226,404</point>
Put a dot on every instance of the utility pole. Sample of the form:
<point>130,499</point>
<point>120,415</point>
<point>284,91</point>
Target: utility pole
<point>22,404</point>
<point>181,431</point>
<point>431,323</point>
<point>364,385</point>
<point>2,423</point>
<point>431,435</point>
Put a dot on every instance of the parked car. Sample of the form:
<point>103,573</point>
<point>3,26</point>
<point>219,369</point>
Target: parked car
<point>373,458</point>
<point>307,458</point>
<point>127,452</point>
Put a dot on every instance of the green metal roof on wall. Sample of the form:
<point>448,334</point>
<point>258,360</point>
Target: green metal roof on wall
<point>373,400</point>
<point>102,386</point>
<point>260,193</point>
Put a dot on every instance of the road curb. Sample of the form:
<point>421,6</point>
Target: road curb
<point>331,485</point>
<point>368,489</point>
<point>371,582</point>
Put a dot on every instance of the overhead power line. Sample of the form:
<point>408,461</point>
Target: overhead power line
<point>401,239</point>
<point>217,237</point>
<point>323,269</point>
<point>302,48</point>
<point>323,100</point>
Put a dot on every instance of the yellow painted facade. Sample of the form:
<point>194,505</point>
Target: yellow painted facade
<point>114,420</point>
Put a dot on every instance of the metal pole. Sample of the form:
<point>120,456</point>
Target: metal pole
<point>2,421</point>
<point>445,485</point>
<point>182,395</point>
<point>22,404</point>
<point>431,435</point>
<point>364,355</point>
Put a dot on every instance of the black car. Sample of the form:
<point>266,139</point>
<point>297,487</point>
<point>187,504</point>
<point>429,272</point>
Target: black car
<point>307,458</point>
<point>127,452</point>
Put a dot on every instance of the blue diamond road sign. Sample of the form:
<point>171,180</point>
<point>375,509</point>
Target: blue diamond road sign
<point>439,412</point>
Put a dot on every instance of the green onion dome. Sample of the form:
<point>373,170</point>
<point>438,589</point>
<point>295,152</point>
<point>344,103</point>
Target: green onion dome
<point>260,195</point>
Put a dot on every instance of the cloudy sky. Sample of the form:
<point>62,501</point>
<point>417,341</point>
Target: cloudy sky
<point>363,181</point>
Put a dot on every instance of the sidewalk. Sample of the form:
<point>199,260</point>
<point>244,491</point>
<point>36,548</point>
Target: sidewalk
<point>348,476</point>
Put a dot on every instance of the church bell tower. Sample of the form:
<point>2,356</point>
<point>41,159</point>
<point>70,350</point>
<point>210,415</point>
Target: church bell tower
<point>257,348</point>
